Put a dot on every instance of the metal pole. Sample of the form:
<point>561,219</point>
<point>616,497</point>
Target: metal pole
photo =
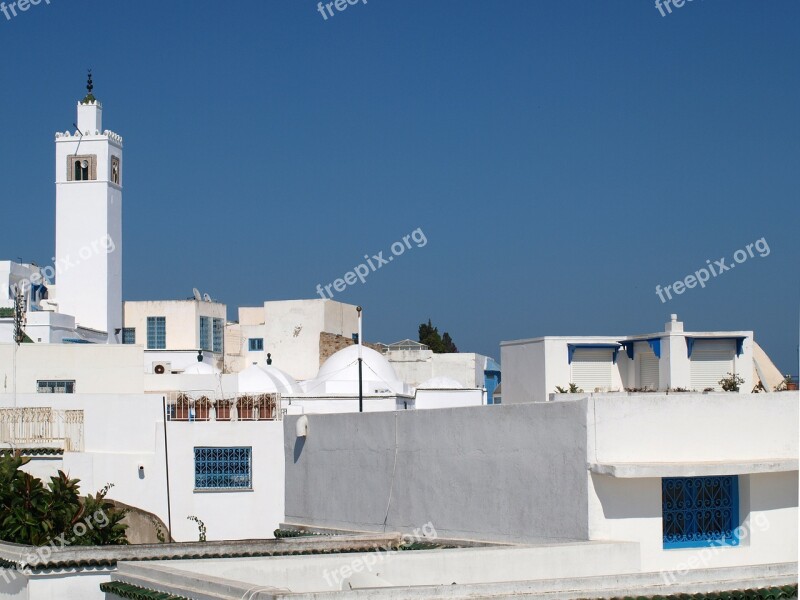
<point>360,361</point>
<point>166,464</point>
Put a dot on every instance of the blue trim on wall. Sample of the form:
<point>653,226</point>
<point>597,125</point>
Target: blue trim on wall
<point>655,346</point>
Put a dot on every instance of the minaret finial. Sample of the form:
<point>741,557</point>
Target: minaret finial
<point>89,87</point>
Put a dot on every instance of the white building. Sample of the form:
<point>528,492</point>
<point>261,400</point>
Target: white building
<point>172,332</point>
<point>672,359</point>
<point>89,221</point>
<point>291,332</point>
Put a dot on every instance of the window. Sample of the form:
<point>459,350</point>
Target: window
<point>205,333</point>
<point>223,468</point>
<point>129,335</point>
<point>156,333</point>
<point>115,170</point>
<point>55,387</point>
<point>255,344</point>
<point>700,511</point>
<point>219,331</point>
<point>82,168</point>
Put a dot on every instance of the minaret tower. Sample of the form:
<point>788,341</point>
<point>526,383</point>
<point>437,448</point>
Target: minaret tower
<point>89,221</point>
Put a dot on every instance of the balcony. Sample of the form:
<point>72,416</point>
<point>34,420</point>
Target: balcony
<point>42,427</point>
<point>194,406</point>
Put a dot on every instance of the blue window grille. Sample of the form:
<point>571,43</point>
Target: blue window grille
<point>156,333</point>
<point>700,511</point>
<point>219,331</point>
<point>129,335</point>
<point>255,344</point>
<point>205,333</point>
<point>223,468</point>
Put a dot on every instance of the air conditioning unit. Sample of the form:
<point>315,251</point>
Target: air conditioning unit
<point>162,368</point>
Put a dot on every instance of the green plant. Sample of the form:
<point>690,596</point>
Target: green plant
<point>785,384</point>
<point>679,389</point>
<point>731,382</point>
<point>33,513</point>
<point>201,527</point>
<point>573,389</point>
<point>160,536</point>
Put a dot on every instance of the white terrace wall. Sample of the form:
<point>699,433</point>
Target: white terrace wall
<point>488,472</point>
<point>95,368</point>
<point>701,431</point>
<point>228,515</point>
<point>120,433</point>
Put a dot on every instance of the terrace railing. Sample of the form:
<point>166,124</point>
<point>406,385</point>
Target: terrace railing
<point>39,427</point>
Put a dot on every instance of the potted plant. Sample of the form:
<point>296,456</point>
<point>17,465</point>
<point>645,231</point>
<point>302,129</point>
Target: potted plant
<point>245,407</point>
<point>181,408</point>
<point>223,408</point>
<point>266,407</point>
<point>201,409</point>
<point>788,384</point>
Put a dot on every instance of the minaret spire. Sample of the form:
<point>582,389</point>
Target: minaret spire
<point>89,87</point>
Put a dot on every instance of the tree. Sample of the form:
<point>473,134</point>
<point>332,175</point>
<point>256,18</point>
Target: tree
<point>429,335</point>
<point>32,513</point>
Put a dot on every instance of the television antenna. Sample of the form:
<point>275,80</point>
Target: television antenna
<point>206,297</point>
<point>196,293</point>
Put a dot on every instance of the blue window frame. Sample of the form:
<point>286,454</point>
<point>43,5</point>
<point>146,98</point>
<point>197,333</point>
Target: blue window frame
<point>700,511</point>
<point>129,335</point>
<point>156,333</point>
<point>223,468</point>
<point>219,332</point>
<point>205,333</point>
<point>255,344</point>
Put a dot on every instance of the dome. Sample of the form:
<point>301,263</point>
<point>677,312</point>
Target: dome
<point>440,383</point>
<point>339,374</point>
<point>285,382</point>
<point>254,380</point>
<point>200,368</point>
<point>343,366</point>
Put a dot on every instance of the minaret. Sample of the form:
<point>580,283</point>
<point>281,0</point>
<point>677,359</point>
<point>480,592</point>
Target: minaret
<point>89,221</point>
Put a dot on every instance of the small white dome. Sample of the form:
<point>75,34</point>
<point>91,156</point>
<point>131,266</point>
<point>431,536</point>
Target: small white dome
<point>200,368</point>
<point>343,366</point>
<point>440,383</point>
<point>254,380</point>
<point>339,374</point>
<point>285,382</point>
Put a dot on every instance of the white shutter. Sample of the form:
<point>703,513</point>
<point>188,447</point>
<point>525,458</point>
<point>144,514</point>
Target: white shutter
<point>591,368</point>
<point>648,367</point>
<point>711,361</point>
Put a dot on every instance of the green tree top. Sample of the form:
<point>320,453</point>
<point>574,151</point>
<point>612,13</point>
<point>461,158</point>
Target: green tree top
<point>439,344</point>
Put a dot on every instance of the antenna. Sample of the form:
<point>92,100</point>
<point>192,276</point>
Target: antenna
<point>196,293</point>
<point>206,297</point>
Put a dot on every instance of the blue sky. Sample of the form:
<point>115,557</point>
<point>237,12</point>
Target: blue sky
<point>562,158</point>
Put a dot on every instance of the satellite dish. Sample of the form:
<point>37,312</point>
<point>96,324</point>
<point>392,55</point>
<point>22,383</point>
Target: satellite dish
<point>196,293</point>
<point>206,297</point>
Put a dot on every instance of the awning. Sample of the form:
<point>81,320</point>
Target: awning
<point>739,342</point>
<point>655,346</point>
<point>572,347</point>
<point>624,470</point>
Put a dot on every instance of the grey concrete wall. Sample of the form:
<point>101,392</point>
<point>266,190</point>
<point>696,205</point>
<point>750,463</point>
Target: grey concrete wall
<point>508,472</point>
